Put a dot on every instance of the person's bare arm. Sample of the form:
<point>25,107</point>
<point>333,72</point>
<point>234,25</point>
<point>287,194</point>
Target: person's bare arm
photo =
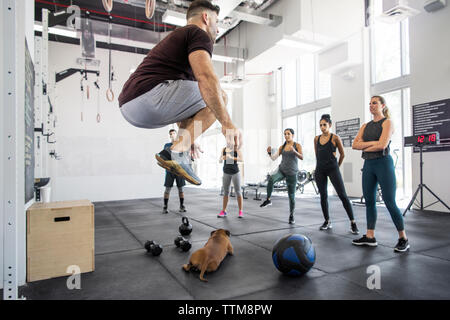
<point>274,156</point>
<point>340,147</point>
<point>240,157</point>
<point>211,92</point>
<point>222,157</point>
<point>298,152</point>
<point>383,142</point>
<point>315,144</point>
<point>359,143</point>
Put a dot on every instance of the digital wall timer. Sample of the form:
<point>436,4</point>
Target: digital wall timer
<point>431,138</point>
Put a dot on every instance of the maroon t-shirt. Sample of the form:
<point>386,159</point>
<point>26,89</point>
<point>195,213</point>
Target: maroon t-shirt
<point>168,60</point>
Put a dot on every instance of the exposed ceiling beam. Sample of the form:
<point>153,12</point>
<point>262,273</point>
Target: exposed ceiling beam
<point>258,17</point>
<point>226,7</point>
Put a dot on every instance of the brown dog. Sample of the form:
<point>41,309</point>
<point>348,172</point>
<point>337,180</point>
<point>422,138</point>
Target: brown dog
<point>211,255</point>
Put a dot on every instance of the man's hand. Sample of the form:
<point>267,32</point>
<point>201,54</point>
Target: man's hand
<point>233,137</point>
<point>195,151</point>
<point>269,150</point>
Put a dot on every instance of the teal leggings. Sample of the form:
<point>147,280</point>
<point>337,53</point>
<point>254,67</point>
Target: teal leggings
<point>380,171</point>
<point>291,182</point>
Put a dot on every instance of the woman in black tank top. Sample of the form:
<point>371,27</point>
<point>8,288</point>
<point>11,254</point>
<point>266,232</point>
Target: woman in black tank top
<point>327,167</point>
<point>373,139</point>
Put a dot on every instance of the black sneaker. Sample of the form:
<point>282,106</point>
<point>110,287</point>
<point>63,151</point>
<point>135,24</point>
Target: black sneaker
<point>165,210</point>
<point>364,241</point>
<point>326,225</point>
<point>354,228</point>
<point>291,219</point>
<point>402,245</point>
<point>266,203</point>
<point>182,209</point>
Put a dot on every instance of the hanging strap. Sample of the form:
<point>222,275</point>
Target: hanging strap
<point>109,91</point>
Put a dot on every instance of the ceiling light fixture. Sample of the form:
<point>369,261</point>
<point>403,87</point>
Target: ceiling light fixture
<point>293,42</point>
<point>174,17</point>
<point>220,58</point>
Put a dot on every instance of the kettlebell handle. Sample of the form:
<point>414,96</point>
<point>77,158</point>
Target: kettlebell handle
<point>185,221</point>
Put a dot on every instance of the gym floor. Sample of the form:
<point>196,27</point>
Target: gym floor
<point>123,269</point>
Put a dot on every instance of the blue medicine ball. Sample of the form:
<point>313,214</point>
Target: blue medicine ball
<point>294,254</point>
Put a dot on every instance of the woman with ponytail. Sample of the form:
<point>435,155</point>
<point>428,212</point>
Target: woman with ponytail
<point>374,139</point>
<point>327,166</point>
<point>290,151</point>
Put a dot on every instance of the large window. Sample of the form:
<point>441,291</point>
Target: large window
<point>303,84</point>
<point>290,85</point>
<point>307,79</point>
<point>390,47</point>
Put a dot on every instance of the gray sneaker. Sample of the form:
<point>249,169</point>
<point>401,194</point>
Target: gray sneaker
<point>178,163</point>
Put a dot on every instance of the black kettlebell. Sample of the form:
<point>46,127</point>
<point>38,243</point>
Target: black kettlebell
<point>185,228</point>
<point>153,248</point>
<point>182,243</point>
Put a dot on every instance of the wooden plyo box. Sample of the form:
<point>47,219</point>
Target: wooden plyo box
<point>59,235</point>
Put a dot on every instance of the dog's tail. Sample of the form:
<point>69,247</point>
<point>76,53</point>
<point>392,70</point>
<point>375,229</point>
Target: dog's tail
<point>203,270</point>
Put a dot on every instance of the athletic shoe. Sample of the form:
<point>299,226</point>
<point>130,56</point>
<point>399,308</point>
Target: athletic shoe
<point>266,203</point>
<point>364,241</point>
<point>291,219</point>
<point>182,209</point>
<point>354,228</point>
<point>402,245</point>
<point>178,163</point>
<point>241,214</point>
<point>222,214</point>
<point>165,210</point>
<point>326,225</point>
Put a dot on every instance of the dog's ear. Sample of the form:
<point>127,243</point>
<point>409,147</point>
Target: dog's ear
<point>212,232</point>
<point>228,233</point>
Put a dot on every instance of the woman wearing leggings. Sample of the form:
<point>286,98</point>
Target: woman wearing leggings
<point>328,167</point>
<point>231,157</point>
<point>374,139</point>
<point>288,169</point>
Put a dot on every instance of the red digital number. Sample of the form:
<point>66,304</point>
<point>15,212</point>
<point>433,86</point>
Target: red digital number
<point>432,138</point>
<point>420,139</point>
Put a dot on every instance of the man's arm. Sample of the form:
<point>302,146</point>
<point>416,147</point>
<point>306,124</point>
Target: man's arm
<point>208,83</point>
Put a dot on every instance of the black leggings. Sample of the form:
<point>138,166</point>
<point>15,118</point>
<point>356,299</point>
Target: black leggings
<point>334,174</point>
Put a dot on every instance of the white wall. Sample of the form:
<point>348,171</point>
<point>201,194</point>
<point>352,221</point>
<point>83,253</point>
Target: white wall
<point>2,184</point>
<point>430,81</point>
<point>110,160</point>
<point>23,31</point>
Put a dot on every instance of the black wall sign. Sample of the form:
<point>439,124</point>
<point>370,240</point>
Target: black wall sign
<point>29,126</point>
<point>432,117</point>
<point>347,131</point>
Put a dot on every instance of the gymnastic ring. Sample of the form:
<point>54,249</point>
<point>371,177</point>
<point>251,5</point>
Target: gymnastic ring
<point>108,5</point>
<point>98,117</point>
<point>150,6</point>
<point>109,95</point>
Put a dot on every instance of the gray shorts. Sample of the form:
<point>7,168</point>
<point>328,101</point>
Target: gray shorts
<point>169,102</point>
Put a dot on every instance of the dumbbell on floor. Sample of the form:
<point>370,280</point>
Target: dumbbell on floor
<point>153,248</point>
<point>183,243</point>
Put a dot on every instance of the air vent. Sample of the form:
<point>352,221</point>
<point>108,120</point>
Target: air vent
<point>396,10</point>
